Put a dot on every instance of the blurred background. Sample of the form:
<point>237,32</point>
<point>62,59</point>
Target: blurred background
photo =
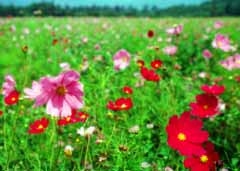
<point>135,8</point>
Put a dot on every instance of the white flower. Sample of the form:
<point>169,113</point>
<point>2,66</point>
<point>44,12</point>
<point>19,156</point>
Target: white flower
<point>145,165</point>
<point>86,132</point>
<point>68,150</point>
<point>65,66</point>
<point>150,125</point>
<point>134,129</point>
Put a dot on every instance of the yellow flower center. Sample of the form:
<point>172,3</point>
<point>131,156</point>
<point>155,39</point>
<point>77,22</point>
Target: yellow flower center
<point>13,99</point>
<point>125,59</point>
<point>205,107</point>
<point>219,44</point>
<point>123,106</point>
<point>182,137</point>
<point>40,126</point>
<point>61,91</point>
<point>83,117</point>
<point>204,158</point>
<point>68,118</point>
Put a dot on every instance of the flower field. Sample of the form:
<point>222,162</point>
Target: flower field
<point>119,94</point>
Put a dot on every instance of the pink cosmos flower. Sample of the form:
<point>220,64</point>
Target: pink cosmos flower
<point>176,30</point>
<point>222,42</point>
<point>61,94</point>
<point>218,24</point>
<point>231,62</point>
<point>170,50</point>
<point>121,60</point>
<point>9,85</point>
<point>207,54</point>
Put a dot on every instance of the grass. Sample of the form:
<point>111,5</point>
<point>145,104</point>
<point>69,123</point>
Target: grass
<point>154,103</point>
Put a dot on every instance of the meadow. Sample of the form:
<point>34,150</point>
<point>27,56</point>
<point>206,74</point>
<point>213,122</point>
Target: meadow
<point>132,136</point>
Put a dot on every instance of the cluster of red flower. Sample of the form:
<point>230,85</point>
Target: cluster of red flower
<point>150,74</point>
<point>185,133</point>
<point>122,103</point>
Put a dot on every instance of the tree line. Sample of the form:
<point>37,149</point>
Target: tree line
<point>206,9</point>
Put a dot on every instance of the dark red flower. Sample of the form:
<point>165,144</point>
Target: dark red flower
<point>185,135</point>
<point>12,98</point>
<point>204,162</point>
<point>127,90</point>
<point>150,33</point>
<point>156,64</point>
<point>214,90</point>
<point>120,104</point>
<point>38,126</point>
<point>140,63</point>
<point>149,74</point>
<point>54,42</point>
<point>74,118</point>
<point>206,105</point>
<point>1,113</point>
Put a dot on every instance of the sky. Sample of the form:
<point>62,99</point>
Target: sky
<point>134,3</point>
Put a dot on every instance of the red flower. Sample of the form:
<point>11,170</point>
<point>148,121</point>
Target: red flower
<point>149,75</point>
<point>74,118</point>
<point>214,90</point>
<point>120,104</point>
<point>156,64</point>
<point>1,113</point>
<point>12,98</point>
<point>185,135</point>
<point>38,126</point>
<point>140,63</point>
<point>206,105</point>
<point>127,90</point>
<point>150,33</point>
<point>54,42</point>
<point>205,162</point>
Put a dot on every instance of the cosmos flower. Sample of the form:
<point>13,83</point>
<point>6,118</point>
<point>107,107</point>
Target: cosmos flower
<point>170,50</point>
<point>65,66</point>
<point>185,135</point>
<point>120,104</point>
<point>156,64</point>
<point>38,126</point>
<point>232,62</point>
<point>218,24</point>
<point>54,42</point>
<point>68,149</point>
<point>127,90</point>
<point>214,89</point>
<point>9,85</point>
<point>206,105</point>
<point>205,162</point>
<point>207,54</point>
<point>121,60</point>
<point>1,112</point>
<point>12,98</point>
<point>222,42</point>
<point>86,132</point>
<point>150,75</point>
<point>176,30</point>
<point>74,118</point>
<point>150,33</point>
<point>61,94</point>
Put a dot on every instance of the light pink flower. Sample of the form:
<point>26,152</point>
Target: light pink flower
<point>222,42</point>
<point>9,85</point>
<point>65,66</point>
<point>218,24</point>
<point>207,54</point>
<point>231,62</point>
<point>61,94</point>
<point>176,30</point>
<point>170,50</point>
<point>121,60</point>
